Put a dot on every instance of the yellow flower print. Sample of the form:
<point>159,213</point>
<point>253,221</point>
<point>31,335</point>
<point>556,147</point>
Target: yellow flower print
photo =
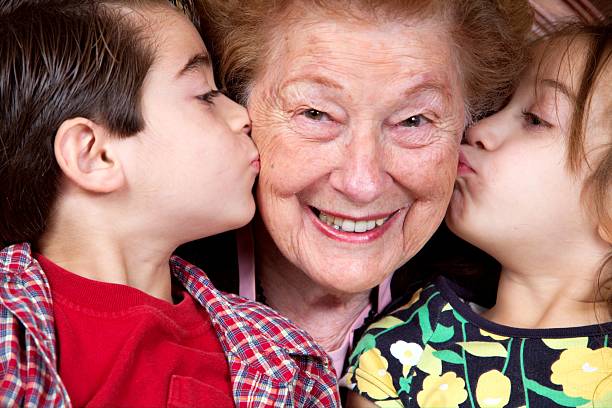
<point>412,300</point>
<point>429,363</point>
<point>584,373</point>
<point>447,391</point>
<point>605,401</point>
<point>347,379</point>
<point>493,336</point>
<point>563,344</point>
<point>372,375</point>
<point>493,390</point>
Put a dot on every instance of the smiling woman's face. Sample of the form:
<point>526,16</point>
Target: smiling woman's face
<point>358,127</point>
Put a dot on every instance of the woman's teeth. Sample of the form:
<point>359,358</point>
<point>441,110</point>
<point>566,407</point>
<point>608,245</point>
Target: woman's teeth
<point>351,225</point>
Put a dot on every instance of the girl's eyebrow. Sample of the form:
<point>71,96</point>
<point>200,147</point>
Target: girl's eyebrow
<point>558,86</point>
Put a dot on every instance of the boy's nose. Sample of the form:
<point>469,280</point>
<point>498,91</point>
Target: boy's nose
<point>237,117</point>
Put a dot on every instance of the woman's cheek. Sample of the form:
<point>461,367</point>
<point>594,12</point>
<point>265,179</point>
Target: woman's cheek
<point>313,130</point>
<point>413,137</point>
<point>428,172</point>
<point>281,173</point>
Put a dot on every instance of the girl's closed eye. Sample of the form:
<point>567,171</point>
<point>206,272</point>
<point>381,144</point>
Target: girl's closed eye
<point>533,120</point>
<point>209,96</point>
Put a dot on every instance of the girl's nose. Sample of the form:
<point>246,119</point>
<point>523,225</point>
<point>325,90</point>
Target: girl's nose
<point>485,134</point>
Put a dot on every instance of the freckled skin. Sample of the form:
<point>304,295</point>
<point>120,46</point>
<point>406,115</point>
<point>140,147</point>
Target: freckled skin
<point>357,159</point>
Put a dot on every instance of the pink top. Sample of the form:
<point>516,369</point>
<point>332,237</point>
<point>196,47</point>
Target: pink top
<point>246,267</point>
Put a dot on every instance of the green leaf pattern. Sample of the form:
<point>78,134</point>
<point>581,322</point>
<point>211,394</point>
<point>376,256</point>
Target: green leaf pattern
<point>451,356</point>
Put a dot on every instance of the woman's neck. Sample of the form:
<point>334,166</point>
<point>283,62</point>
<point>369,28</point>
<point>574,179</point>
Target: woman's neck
<point>328,317</point>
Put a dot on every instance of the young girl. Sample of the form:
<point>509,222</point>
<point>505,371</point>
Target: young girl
<point>534,191</point>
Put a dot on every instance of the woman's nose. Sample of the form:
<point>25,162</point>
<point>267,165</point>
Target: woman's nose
<point>361,176</point>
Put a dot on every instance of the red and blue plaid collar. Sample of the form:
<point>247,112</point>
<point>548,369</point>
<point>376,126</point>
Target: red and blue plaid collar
<point>272,363</point>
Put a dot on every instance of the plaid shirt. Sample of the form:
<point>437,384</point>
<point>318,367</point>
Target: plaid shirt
<point>272,363</point>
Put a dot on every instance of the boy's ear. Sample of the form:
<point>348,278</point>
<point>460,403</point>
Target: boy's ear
<point>85,154</point>
<point>605,234</point>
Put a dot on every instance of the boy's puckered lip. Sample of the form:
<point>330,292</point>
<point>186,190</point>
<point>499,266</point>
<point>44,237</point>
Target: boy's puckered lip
<point>255,163</point>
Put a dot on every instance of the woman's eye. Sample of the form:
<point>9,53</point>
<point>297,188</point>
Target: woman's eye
<point>316,115</point>
<point>209,96</point>
<point>415,121</point>
<point>534,120</point>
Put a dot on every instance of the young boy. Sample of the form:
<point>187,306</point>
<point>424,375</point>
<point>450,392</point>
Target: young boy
<point>115,148</point>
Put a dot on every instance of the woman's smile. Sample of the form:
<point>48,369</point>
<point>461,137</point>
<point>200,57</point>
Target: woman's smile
<point>353,229</point>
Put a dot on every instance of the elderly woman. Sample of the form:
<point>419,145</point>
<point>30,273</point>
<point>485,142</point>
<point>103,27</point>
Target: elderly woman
<point>358,108</point>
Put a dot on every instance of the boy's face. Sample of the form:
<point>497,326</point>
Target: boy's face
<point>515,192</point>
<point>193,166</point>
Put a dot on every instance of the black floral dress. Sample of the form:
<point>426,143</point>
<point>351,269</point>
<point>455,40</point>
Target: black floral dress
<point>436,352</point>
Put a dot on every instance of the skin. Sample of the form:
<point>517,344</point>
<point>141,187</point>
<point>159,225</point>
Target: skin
<point>361,121</point>
<point>548,241</point>
<point>127,203</point>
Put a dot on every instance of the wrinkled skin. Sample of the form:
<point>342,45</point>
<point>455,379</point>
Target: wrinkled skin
<point>362,121</point>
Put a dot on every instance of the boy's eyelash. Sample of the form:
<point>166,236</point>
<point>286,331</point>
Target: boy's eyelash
<point>209,96</point>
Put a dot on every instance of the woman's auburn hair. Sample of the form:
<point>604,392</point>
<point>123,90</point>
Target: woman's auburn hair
<point>489,38</point>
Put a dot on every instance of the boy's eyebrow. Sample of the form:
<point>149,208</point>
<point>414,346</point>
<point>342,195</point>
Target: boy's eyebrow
<point>195,63</point>
<point>558,86</point>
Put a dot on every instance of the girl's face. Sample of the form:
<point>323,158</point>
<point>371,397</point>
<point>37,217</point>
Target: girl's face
<point>514,192</point>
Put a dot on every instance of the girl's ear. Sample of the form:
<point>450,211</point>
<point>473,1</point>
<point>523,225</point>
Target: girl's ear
<point>85,154</point>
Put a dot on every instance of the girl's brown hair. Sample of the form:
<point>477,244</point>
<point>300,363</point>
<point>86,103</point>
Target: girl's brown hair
<point>488,37</point>
<point>61,59</point>
<point>596,44</point>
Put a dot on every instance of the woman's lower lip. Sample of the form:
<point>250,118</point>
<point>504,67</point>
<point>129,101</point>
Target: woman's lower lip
<point>256,165</point>
<point>351,237</point>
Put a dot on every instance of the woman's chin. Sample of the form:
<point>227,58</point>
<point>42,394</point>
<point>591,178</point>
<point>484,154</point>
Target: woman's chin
<point>347,281</point>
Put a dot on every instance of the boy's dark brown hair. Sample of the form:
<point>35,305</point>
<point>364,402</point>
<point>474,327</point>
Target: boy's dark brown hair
<point>62,59</point>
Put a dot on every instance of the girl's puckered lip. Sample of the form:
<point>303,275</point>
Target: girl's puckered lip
<point>464,166</point>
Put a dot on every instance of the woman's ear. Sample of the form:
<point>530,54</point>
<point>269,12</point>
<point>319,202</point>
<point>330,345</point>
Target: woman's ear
<point>84,152</point>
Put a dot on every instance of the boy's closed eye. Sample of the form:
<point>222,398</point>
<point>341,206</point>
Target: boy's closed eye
<point>209,96</point>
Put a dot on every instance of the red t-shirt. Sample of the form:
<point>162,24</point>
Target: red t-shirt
<point>118,346</point>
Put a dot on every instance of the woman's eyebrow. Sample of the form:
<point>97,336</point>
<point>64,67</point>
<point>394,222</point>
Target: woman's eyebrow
<point>196,63</point>
<point>558,86</point>
<point>431,86</point>
<point>317,79</point>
